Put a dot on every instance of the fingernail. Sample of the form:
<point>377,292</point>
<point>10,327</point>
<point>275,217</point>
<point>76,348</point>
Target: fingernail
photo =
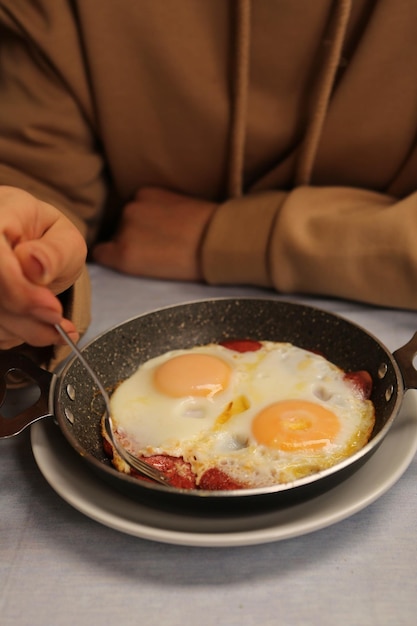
<point>47,315</point>
<point>37,269</point>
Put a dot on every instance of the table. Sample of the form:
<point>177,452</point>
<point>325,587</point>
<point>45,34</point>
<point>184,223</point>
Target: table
<point>60,567</point>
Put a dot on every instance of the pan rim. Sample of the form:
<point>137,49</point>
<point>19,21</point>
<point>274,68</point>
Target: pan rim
<point>245,493</point>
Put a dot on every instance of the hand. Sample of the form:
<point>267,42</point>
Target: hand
<point>159,236</point>
<point>41,254</point>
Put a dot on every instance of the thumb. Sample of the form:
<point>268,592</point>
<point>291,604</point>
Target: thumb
<point>35,262</point>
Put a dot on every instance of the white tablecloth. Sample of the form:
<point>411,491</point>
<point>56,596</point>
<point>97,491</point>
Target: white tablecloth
<point>60,567</point>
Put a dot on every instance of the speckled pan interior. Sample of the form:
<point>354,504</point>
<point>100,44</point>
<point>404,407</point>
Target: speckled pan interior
<point>117,353</point>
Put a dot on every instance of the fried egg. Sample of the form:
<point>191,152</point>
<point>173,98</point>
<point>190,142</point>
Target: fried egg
<point>268,416</point>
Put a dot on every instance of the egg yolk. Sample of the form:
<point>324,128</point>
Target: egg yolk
<point>293,425</point>
<point>192,375</point>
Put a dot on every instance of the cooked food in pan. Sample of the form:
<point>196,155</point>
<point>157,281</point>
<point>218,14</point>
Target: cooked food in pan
<point>241,414</point>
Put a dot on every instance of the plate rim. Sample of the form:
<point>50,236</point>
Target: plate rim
<point>324,510</point>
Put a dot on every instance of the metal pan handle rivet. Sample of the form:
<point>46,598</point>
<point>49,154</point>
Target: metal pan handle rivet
<point>388,393</point>
<point>70,392</point>
<point>69,415</point>
<point>382,370</point>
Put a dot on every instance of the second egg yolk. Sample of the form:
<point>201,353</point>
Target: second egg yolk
<point>293,425</point>
<point>192,375</point>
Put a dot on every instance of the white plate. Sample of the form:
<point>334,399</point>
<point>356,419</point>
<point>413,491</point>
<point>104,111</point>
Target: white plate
<point>70,477</point>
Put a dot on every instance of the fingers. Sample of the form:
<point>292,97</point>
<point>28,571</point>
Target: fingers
<point>33,268</point>
<point>120,256</point>
<point>54,260</point>
<point>41,254</point>
<point>159,236</point>
<point>18,294</point>
<point>21,323</point>
<point>15,330</point>
<point>107,254</point>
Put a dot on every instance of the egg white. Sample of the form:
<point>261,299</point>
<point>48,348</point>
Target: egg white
<point>217,431</point>
<point>155,422</point>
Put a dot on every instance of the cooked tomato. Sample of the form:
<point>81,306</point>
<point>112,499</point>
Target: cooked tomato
<point>215,479</point>
<point>177,470</point>
<point>362,380</point>
<point>241,345</point>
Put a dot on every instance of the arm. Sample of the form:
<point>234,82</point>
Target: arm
<point>51,177</point>
<point>333,241</point>
<point>329,241</point>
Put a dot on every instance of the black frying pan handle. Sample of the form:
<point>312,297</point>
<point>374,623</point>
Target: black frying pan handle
<point>14,362</point>
<point>404,357</point>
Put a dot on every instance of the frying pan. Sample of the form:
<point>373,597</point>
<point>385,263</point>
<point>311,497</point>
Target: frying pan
<point>72,400</point>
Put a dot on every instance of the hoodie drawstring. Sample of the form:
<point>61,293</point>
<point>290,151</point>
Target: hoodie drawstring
<point>320,103</point>
<point>324,91</point>
<point>240,99</point>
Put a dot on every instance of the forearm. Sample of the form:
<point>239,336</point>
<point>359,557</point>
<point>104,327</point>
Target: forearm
<point>348,243</point>
<point>236,246</point>
<point>339,242</point>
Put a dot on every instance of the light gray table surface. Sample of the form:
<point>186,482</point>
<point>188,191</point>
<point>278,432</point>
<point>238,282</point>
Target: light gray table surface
<point>58,566</point>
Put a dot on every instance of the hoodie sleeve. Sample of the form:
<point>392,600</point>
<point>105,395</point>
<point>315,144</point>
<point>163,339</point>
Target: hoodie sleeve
<point>331,241</point>
<point>52,137</point>
<point>48,141</point>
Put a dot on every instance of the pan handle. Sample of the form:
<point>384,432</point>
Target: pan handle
<point>404,357</point>
<point>15,362</point>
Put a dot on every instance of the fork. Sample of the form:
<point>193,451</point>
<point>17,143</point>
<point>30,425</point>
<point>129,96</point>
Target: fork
<point>137,464</point>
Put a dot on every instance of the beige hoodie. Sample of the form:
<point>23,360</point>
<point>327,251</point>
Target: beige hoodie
<point>299,118</point>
